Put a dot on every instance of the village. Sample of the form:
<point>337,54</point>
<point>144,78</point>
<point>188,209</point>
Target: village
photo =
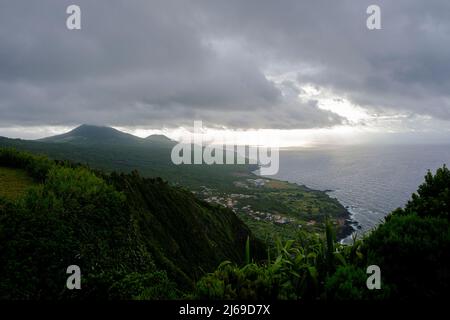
<point>236,203</point>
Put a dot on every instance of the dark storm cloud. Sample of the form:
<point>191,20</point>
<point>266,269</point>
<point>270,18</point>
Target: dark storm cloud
<point>404,67</point>
<point>167,63</point>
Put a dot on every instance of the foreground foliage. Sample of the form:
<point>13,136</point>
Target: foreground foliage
<point>412,249</point>
<point>133,238</point>
<point>137,238</point>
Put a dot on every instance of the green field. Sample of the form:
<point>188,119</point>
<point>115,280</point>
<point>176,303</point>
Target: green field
<point>14,182</point>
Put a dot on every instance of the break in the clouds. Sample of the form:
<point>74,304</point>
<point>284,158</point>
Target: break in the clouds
<point>236,63</point>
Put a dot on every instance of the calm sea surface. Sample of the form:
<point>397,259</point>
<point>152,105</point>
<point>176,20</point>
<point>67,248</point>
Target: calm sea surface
<point>369,181</point>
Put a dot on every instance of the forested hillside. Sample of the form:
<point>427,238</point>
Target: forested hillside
<point>132,237</point>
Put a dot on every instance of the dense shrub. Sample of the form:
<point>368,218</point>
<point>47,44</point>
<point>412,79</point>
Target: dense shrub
<point>433,196</point>
<point>413,254</point>
<point>349,283</point>
<point>36,166</point>
<point>74,217</point>
<point>144,286</point>
<point>299,271</point>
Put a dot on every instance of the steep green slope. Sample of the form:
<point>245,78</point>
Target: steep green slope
<point>132,237</point>
<point>185,235</point>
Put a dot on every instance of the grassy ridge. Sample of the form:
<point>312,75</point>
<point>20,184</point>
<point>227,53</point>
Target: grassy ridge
<point>14,182</point>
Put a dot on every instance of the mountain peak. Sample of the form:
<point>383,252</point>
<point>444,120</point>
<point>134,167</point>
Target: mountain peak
<point>159,138</point>
<point>86,133</point>
<point>86,125</point>
<point>88,129</point>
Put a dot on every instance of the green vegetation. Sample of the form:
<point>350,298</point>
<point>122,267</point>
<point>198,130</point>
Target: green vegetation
<point>412,248</point>
<point>141,238</point>
<point>14,182</point>
<point>285,207</point>
<point>275,209</point>
<point>111,150</point>
<point>133,238</point>
<point>309,267</point>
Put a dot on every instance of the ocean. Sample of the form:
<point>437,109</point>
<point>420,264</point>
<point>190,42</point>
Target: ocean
<point>370,181</point>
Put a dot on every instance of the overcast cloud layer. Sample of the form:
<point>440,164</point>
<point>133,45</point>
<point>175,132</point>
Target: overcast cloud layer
<point>166,63</point>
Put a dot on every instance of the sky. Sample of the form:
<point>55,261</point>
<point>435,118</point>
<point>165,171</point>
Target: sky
<point>287,73</point>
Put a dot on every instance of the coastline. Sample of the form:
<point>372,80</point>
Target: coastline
<point>351,224</point>
<point>345,223</point>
